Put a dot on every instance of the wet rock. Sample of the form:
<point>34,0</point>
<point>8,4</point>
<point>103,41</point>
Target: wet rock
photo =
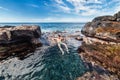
<point>79,38</point>
<point>19,40</point>
<point>101,43</point>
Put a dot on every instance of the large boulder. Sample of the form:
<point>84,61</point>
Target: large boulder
<point>104,27</point>
<point>18,40</point>
<point>101,43</point>
<point>13,33</point>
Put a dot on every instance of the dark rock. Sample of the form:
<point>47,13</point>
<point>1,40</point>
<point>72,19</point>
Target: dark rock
<point>88,30</point>
<point>117,16</point>
<point>18,41</point>
<point>7,26</point>
<point>104,18</point>
<point>79,38</point>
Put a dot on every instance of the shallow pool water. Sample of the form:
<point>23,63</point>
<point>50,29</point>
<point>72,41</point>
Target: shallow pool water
<point>47,63</point>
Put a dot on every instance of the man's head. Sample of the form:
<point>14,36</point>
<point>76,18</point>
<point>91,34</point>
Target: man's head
<point>59,35</point>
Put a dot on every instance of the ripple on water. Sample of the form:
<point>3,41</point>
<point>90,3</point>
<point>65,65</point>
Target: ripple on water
<point>61,67</point>
<point>47,64</point>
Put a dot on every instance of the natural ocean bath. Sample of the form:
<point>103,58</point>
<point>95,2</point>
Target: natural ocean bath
<point>47,63</point>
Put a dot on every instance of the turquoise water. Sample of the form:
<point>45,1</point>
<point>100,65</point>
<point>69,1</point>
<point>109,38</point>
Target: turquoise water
<point>60,67</point>
<point>46,63</point>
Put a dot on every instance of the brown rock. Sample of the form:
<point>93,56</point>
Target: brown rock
<point>105,27</point>
<point>117,59</point>
<point>101,43</point>
<point>19,40</point>
<point>106,55</point>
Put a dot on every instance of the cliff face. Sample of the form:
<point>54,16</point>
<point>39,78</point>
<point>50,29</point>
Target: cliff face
<point>101,43</point>
<point>18,40</point>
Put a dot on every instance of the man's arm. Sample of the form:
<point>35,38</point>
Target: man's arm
<point>53,39</point>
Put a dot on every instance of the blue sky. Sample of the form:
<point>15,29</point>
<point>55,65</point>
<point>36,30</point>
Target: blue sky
<point>56,10</point>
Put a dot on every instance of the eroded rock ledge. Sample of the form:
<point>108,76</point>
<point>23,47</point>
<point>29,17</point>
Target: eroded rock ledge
<point>18,40</point>
<point>101,43</point>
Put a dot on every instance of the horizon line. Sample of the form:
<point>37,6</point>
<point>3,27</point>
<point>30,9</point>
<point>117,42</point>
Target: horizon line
<point>43,22</point>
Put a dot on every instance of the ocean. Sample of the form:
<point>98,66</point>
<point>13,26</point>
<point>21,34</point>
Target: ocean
<point>49,27</point>
<point>46,63</point>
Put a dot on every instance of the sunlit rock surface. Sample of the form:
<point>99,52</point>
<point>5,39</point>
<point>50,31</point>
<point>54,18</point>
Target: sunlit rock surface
<point>101,43</point>
<point>104,28</point>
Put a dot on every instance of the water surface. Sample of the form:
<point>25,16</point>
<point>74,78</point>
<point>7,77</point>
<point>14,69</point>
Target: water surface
<point>47,63</point>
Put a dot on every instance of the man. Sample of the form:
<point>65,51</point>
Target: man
<point>59,40</point>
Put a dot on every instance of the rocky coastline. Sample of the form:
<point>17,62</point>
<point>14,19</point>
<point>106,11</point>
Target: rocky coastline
<point>18,41</point>
<point>101,43</point>
<point>99,50</point>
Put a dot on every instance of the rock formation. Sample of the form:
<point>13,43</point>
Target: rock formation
<point>101,43</point>
<point>104,28</point>
<point>18,40</point>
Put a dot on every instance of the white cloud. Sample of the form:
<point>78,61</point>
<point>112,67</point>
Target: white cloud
<point>95,1</point>
<point>2,8</point>
<point>89,7</point>
<point>81,8</point>
<point>33,5</point>
<point>49,19</point>
<point>111,7</point>
<point>62,6</point>
<point>117,9</point>
<point>59,1</point>
<point>65,8</point>
<point>81,5</point>
<point>95,7</point>
<point>89,13</point>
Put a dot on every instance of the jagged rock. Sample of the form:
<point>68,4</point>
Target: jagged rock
<point>117,16</point>
<point>19,40</point>
<point>79,38</point>
<point>106,55</point>
<point>104,18</point>
<point>105,27</point>
<point>101,43</point>
<point>96,76</point>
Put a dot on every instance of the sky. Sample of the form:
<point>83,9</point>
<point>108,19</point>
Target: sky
<point>56,10</point>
